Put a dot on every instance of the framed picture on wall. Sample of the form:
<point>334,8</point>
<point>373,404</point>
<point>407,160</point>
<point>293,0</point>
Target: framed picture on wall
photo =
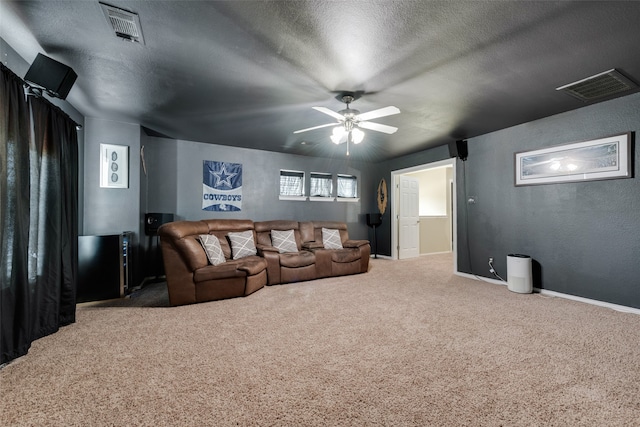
<point>114,166</point>
<point>604,158</point>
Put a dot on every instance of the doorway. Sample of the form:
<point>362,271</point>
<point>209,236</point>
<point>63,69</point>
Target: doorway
<point>441,212</point>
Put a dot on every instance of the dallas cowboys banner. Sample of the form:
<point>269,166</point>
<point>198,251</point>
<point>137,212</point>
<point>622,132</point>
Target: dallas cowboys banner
<point>221,186</point>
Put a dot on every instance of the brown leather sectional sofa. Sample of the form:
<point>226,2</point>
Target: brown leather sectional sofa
<point>192,278</point>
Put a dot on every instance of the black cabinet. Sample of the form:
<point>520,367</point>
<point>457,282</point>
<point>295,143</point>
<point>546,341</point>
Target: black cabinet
<point>104,266</point>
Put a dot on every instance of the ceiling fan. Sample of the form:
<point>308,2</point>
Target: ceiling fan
<point>349,122</point>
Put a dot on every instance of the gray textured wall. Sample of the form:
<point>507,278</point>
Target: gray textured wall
<point>110,210</point>
<point>583,237</point>
<point>175,180</point>
<point>159,191</point>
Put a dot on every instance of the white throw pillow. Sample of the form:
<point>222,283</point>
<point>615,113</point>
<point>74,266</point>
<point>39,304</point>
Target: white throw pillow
<point>331,238</point>
<point>212,248</point>
<point>242,244</point>
<point>284,241</point>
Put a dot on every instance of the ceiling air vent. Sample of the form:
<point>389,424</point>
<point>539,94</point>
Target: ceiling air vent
<point>599,86</point>
<point>125,24</point>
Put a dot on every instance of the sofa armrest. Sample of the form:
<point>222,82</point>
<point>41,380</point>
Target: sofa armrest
<point>354,243</point>
<point>226,270</point>
<point>182,289</point>
<point>312,245</point>
<point>272,256</point>
<point>253,265</point>
<point>266,248</point>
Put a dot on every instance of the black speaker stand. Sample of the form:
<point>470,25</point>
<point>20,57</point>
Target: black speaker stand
<point>375,242</point>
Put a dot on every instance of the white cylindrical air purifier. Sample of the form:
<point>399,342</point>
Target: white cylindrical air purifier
<point>519,272</point>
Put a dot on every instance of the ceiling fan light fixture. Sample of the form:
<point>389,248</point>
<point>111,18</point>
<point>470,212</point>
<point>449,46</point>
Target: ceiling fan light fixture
<point>357,136</point>
<point>337,134</point>
<point>338,131</point>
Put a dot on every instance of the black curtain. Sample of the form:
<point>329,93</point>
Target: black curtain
<point>38,218</point>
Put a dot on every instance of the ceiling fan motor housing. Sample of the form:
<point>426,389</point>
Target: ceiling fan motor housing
<point>348,99</point>
<point>349,113</point>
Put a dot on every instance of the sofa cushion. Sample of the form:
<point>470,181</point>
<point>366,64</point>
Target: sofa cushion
<point>242,244</point>
<point>212,248</point>
<point>224,242</point>
<point>284,241</point>
<point>191,252</point>
<point>331,238</point>
<point>299,259</point>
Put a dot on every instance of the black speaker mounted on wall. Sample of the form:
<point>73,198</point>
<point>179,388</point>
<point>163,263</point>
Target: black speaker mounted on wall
<point>52,76</point>
<point>153,221</point>
<point>459,149</point>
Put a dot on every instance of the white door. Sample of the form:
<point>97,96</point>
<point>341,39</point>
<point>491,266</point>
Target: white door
<point>408,218</point>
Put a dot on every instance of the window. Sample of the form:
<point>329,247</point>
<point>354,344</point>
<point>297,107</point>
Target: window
<point>347,187</point>
<point>321,186</point>
<point>291,185</point>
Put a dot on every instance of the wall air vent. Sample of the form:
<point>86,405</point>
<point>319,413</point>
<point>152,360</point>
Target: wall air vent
<point>125,24</point>
<point>600,86</point>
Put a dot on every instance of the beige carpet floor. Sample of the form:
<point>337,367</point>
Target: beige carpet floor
<point>407,344</point>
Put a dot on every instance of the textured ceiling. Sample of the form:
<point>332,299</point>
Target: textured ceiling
<point>247,73</point>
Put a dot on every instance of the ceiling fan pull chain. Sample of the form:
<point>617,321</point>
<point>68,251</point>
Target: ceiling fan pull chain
<point>348,139</point>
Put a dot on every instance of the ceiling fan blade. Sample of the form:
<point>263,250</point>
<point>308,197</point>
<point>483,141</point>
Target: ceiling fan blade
<point>378,127</point>
<point>380,112</point>
<point>329,113</point>
<point>316,127</point>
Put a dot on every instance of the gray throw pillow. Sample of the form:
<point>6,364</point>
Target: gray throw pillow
<point>242,244</point>
<point>331,238</point>
<point>284,241</point>
<point>212,248</point>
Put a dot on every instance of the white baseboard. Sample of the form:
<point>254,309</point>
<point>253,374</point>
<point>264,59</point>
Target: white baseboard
<point>546,292</point>
<point>421,255</point>
<point>483,279</point>
<point>616,307</point>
